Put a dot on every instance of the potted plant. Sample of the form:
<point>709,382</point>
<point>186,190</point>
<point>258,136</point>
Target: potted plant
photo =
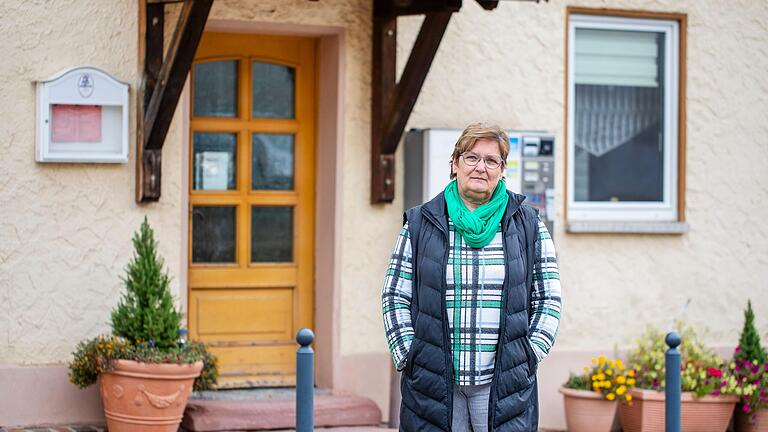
<point>750,365</point>
<point>708,387</point>
<point>590,398</point>
<point>146,371</point>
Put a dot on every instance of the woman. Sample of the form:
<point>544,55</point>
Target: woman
<point>471,299</point>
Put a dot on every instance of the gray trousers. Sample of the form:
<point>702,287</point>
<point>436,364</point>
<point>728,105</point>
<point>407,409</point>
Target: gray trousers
<point>470,407</point>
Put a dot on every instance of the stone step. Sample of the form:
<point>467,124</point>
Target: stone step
<point>278,413</point>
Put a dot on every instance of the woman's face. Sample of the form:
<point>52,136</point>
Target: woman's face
<point>477,183</point>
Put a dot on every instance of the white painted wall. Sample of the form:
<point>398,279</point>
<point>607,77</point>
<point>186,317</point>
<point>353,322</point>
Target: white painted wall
<point>65,229</point>
<point>508,67</point>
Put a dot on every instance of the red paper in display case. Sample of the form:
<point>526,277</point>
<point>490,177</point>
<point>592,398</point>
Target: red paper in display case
<point>75,123</point>
<point>82,117</point>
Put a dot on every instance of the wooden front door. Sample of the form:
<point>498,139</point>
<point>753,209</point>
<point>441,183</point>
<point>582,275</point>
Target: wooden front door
<point>251,219</point>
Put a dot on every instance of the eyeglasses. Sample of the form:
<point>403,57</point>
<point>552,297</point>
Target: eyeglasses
<point>472,159</point>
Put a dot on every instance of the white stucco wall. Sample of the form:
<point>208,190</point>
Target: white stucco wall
<point>65,228</point>
<point>508,67</point>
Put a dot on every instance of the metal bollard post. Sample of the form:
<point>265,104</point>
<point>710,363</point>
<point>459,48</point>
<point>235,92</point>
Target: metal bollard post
<point>672,384</point>
<point>305,382</point>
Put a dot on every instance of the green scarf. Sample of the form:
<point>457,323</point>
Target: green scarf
<point>478,227</point>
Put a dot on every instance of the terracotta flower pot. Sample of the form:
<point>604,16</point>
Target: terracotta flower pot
<point>146,397</point>
<point>704,414</point>
<point>587,411</point>
<point>747,423</point>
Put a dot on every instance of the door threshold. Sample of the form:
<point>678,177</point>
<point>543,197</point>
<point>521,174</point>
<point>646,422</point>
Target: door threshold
<point>255,393</point>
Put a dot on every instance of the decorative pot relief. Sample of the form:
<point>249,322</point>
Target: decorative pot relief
<point>158,401</point>
<point>118,391</point>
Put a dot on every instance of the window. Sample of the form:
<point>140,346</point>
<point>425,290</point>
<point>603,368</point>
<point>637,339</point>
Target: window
<point>623,122</point>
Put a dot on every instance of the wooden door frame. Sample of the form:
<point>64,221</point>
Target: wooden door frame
<point>329,143</point>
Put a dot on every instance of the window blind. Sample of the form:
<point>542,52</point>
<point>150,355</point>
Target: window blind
<point>616,57</point>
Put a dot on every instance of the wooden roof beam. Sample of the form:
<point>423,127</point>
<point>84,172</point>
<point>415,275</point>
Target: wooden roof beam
<point>488,4</point>
<point>393,102</point>
<point>163,83</point>
<point>396,8</point>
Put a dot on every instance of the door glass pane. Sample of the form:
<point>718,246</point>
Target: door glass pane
<point>273,90</point>
<point>213,234</point>
<point>272,161</point>
<point>271,234</point>
<point>619,113</point>
<point>215,89</point>
<point>215,161</point>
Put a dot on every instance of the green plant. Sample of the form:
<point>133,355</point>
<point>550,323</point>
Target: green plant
<point>749,342</point>
<point>146,311</point>
<point>702,371</point>
<point>145,324</point>
<point>750,366</point>
<point>605,376</point>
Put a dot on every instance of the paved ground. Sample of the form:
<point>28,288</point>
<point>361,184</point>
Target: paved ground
<point>91,428</point>
<point>56,428</point>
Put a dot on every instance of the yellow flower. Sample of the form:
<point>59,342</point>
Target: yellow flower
<point>621,390</point>
<point>601,376</point>
<point>631,373</point>
<point>620,379</point>
<point>610,396</point>
<point>601,360</point>
<point>607,384</point>
<point>594,377</point>
<point>628,397</point>
<point>594,361</point>
<point>631,382</point>
<point>609,372</point>
<point>619,365</point>
<point>586,369</point>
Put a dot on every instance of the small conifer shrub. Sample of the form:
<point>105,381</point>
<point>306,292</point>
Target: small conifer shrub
<point>145,324</point>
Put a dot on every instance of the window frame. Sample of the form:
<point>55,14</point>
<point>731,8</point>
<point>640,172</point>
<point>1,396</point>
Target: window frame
<point>672,208</point>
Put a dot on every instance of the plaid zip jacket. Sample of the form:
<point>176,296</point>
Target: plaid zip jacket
<point>474,280</point>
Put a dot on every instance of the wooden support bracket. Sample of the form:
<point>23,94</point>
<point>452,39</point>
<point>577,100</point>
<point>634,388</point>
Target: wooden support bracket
<point>488,4</point>
<point>163,83</point>
<point>414,7</point>
<point>393,102</point>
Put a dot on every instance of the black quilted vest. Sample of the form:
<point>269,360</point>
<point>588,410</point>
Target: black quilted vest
<point>427,381</point>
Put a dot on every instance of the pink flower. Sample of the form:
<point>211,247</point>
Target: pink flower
<point>746,408</point>
<point>738,349</point>
<point>715,393</point>
<point>715,372</point>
